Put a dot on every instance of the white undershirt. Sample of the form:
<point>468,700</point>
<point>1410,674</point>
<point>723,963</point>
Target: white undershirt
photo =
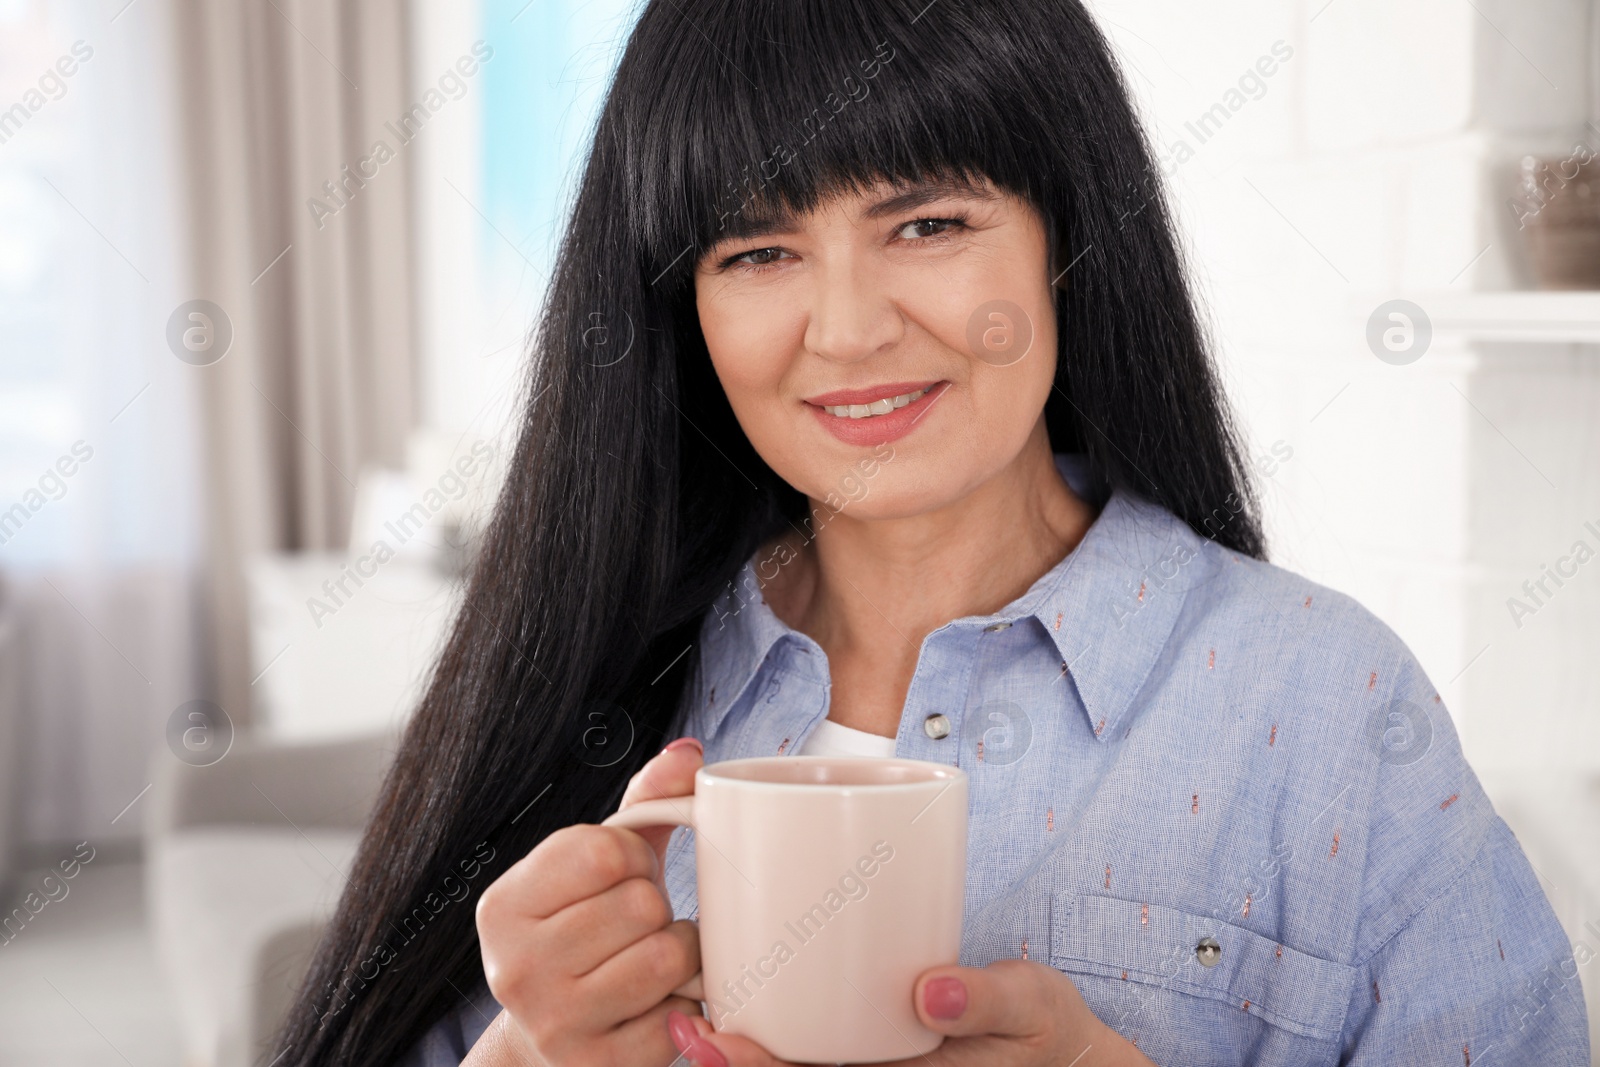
<point>832,739</point>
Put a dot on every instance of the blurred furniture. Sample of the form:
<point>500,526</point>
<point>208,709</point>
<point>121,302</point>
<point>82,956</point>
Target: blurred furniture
<point>348,662</point>
<point>1560,219</point>
<point>245,861</point>
<point>341,643</point>
<point>1508,317</point>
<point>10,731</point>
<point>246,858</point>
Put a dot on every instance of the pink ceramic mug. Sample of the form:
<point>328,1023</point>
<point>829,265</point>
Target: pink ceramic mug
<point>826,886</point>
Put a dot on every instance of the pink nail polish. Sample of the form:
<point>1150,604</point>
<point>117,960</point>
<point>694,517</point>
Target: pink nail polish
<point>686,742</point>
<point>682,1031</point>
<point>945,998</point>
<point>691,1044</point>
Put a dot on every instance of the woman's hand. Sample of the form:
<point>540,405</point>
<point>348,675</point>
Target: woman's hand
<point>1009,1013</point>
<point>579,945</point>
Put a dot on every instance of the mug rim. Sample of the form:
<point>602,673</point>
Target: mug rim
<point>939,774</point>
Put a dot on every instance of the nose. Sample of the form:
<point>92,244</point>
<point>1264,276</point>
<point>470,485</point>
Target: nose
<point>852,316</point>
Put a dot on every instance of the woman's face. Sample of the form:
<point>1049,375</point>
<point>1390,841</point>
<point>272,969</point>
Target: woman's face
<point>893,349</point>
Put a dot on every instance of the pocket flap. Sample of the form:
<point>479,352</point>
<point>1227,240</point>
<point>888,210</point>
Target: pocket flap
<point>1155,944</point>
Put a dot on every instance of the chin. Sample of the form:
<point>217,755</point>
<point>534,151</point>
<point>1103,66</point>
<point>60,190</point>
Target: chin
<point>897,489</point>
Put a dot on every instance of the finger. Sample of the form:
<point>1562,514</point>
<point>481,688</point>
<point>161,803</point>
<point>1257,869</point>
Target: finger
<point>572,864</point>
<point>639,977</point>
<point>582,936</point>
<point>1011,998</point>
<point>973,1052</point>
<point>711,1049</point>
<point>669,774</point>
<point>645,1038</point>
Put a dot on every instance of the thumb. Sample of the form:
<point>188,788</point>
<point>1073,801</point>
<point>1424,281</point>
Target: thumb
<point>669,774</point>
<point>702,1046</point>
<point>1011,998</point>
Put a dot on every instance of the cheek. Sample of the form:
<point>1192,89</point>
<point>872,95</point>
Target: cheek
<point>1001,322</point>
<point>752,343</point>
<point>745,345</point>
<point>1007,399</point>
<point>1032,377</point>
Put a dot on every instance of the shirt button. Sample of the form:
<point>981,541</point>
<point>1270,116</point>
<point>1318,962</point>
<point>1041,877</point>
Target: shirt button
<point>936,726</point>
<point>996,627</point>
<point>1208,952</point>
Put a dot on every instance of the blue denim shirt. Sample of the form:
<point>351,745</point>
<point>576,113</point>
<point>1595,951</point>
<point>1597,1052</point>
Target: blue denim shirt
<point>1172,746</point>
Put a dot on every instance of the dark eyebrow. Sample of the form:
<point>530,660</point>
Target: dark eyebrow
<point>778,220</point>
<point>926,193</point>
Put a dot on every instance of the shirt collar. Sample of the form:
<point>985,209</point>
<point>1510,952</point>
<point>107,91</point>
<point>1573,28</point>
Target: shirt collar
<point>1111,604</point>
<point>1109,607</point>
<point>738,634</point>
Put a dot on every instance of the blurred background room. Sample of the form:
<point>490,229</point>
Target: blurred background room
<point>267,270</point>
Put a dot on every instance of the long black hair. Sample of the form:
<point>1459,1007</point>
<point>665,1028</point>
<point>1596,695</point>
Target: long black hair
<point>633,496</point>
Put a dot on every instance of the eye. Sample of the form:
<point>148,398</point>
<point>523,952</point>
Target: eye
<point>927,229</point>
<point>755,259</point>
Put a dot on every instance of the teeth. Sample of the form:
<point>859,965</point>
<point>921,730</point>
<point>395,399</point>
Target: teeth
<point>877,407</point>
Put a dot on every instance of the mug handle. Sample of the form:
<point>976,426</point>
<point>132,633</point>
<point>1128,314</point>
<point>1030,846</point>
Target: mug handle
<point>668,811</point>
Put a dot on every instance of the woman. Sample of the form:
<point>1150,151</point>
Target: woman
<point>869,412</point>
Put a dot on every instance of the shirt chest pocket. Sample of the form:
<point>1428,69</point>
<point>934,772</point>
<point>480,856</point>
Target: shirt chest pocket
<point>1193,954</point>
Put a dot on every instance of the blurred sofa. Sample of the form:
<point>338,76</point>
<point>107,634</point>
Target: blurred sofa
<point>245,860</point>
<point>10,731</point>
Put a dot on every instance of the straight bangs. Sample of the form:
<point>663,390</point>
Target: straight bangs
<point>755,111</point>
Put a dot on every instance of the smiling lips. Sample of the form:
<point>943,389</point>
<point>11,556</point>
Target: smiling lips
<point>877,407</point>
<point>877,414</point>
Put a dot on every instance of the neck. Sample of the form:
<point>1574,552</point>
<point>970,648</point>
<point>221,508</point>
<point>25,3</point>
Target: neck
<point>869,591</point>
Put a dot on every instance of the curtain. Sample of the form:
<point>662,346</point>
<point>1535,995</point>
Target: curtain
<point>97,516</point>
<point>295,119</point>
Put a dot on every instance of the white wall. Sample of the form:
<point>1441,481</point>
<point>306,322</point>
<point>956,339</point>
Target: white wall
<point>1376,164</point>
